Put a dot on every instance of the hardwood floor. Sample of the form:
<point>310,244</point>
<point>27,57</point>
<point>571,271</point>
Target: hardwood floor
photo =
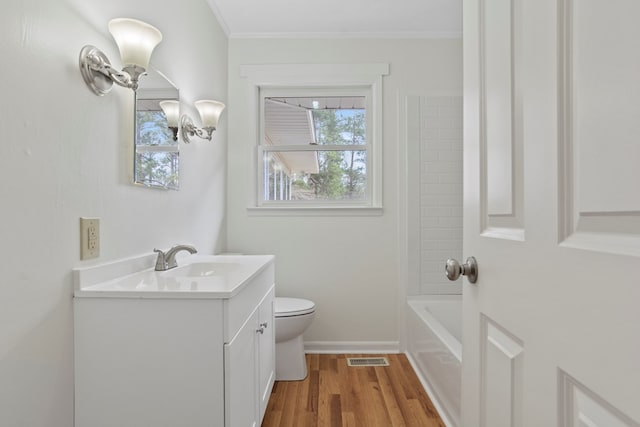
<point>336,395</point>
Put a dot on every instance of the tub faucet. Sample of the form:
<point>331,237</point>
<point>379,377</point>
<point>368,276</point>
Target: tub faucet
<point>167,261</point>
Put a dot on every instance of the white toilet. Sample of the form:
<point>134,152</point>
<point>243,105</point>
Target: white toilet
<point>293,316</point>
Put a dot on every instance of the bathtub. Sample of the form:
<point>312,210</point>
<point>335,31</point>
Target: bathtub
<point>434,348</point>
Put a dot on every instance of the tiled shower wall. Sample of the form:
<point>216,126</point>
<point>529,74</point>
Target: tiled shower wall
<point>440,191</point>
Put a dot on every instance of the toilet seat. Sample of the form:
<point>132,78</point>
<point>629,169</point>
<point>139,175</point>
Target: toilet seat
<point>289,307</point>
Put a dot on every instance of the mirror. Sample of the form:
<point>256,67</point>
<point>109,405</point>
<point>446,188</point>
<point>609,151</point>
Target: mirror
<point>156,155</point>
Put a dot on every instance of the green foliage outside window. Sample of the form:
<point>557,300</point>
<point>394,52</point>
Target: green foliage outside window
<point>342,174</point>
<point>155,168</point>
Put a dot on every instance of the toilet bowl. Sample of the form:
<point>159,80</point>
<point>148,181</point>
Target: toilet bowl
<point>292,316</point>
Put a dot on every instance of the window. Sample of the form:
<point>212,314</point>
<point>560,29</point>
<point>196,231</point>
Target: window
<point>318,148</point>
<point>156,155</point>
<point>315,148</point>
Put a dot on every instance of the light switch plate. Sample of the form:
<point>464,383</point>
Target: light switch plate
<point>89,238</point>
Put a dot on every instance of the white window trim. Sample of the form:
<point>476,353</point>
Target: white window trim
<point>283,76</point>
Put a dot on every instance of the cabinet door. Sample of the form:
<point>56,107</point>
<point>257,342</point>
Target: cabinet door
<point>241,376</point>
<point>266,350</point>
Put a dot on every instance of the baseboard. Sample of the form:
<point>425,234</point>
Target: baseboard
<point>357,347</point>
<point>434,398</point>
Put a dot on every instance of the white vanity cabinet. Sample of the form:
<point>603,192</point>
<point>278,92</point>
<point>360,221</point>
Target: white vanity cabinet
<point>267,352</point>
<point>250,367</point>
<point>181,352</point>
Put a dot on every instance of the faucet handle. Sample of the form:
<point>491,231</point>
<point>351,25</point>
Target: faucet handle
<point>161,264</point>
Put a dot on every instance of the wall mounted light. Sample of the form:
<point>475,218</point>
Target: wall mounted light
<point>209,114</point>
<point>172,112</point>
<point>136,41</point>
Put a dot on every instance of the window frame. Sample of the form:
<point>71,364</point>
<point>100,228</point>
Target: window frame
<point>264,148</point>
<point>318,80</point>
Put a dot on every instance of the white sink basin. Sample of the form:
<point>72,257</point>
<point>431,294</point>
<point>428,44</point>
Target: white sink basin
<point>197,276</point>
<point>203,269</point>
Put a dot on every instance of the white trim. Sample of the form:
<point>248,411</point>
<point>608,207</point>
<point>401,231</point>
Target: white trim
<point>313,148</point>
<point>362,35</point>
<point>357,347</point>
<point>314,75</point>
<point>173,148</point>
<point>407,211</point>
<point>314,211</point>
<point>216,11</point>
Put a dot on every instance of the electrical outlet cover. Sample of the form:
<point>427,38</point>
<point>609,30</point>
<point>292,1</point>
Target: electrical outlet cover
<point>89,238</point>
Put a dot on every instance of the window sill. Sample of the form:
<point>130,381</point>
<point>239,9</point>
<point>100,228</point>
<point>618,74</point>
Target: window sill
<point>315,211</point>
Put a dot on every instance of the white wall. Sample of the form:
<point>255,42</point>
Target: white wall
<point>350,266</point>
<point>66,153</point>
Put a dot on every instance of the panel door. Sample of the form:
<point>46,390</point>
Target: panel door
<point>552,213</point>
<point>266,350</point>
<point>241,376</point>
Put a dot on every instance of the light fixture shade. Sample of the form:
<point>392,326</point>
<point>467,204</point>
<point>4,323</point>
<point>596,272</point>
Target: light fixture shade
<point>135,39</point>
<point>172,111</point>
<point>209,112</point>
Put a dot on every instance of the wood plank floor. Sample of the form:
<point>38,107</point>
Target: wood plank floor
<point>336,395</point>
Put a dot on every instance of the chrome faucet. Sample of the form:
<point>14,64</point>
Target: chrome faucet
<point>167,261</point>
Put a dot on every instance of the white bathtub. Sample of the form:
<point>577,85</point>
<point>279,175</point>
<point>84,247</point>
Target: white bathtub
<point>434,345</point>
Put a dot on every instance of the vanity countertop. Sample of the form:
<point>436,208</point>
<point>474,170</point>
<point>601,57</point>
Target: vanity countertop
<point>197,276</point>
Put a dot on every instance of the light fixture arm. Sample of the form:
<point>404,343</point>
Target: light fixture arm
<point>100,75</point>
<point>174,132</point>
<point>128,78</point>
<point>189,130</point>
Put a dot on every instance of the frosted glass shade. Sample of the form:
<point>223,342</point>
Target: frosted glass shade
<point>172,111</point>
<point>209,112</point>
<point>135,39</point>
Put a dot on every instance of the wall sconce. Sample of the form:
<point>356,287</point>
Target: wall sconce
<point>172,112</point>
<point>136,41</point>
<point>209,114</point>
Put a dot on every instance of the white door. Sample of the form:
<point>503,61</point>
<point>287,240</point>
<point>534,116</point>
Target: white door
<point>552,213</point>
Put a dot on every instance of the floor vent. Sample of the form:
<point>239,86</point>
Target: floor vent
<point>367,361</point>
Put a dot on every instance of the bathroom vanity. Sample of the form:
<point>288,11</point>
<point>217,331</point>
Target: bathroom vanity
<point>192,346</point>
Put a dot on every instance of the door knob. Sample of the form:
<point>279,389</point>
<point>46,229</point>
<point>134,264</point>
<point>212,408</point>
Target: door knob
<point>469,269</point>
